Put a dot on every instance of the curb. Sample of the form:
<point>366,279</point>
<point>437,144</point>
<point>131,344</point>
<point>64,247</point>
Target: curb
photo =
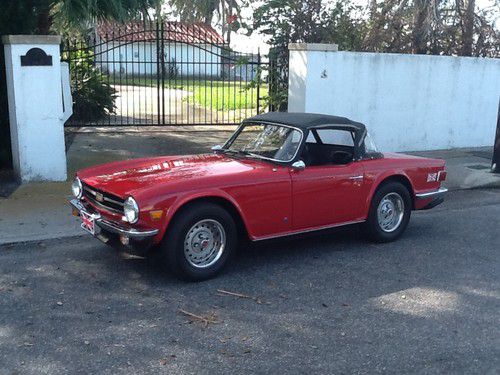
<point>34,241</point>
<point>151,129</point>
<point>75,236</point>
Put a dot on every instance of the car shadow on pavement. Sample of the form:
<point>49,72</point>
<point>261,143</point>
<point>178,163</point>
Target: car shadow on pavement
<point>329,302</point>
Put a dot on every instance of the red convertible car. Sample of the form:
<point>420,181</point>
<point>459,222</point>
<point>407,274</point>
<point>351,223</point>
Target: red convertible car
<point>279,174</point>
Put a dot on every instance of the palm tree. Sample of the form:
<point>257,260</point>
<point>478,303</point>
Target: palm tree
<point>228,11</point>
<point>44,17</point>
<point>40,16</point>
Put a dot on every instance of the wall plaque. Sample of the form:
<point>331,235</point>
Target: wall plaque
<point>36,57</point>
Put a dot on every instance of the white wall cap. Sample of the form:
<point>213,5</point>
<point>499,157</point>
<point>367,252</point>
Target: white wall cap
<point>31,39</point>
<point>313,47</point>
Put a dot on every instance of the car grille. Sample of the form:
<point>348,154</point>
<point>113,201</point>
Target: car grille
<point>104,200</point>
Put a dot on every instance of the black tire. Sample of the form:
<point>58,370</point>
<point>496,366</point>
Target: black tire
<point>374,229</point>
<point>174,241</point>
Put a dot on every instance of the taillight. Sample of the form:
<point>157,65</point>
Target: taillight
<point>441,176</point>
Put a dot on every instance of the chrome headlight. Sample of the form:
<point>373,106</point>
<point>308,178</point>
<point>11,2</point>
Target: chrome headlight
<point>131,210</point>
<point>76,188</point>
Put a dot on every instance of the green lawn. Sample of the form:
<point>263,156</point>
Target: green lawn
<point>217,95</point>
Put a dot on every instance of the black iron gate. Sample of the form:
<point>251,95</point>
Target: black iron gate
<point>170,73</point>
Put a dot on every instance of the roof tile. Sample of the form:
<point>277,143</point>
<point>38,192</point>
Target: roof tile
<point>143,31</point>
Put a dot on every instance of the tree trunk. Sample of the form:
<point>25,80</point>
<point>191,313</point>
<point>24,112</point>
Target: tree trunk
<point>211,7</point>
<point>419,32</point>
<point>495,162</point>
<point>468,28</point>
<point>44,19</point>
<point>373,10</point>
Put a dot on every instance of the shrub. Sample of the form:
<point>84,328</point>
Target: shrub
<point>93,96</point>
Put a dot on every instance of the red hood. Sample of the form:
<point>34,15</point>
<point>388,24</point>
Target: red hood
<point>123,178</point>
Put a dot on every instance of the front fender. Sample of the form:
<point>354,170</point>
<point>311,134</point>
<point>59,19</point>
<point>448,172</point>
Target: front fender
<point>182,199</point>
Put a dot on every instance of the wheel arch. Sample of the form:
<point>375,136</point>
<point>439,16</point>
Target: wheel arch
<point>396,177</point>
<point>219,199</point>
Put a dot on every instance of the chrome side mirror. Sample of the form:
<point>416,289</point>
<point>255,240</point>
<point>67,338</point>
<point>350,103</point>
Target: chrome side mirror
<point>217,148</point>
<point>299,165</point>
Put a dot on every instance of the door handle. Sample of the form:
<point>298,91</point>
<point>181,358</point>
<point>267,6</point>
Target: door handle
<point>360,177</point>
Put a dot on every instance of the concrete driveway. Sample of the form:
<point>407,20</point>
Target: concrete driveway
<point>328,303</point>
<point>142,104</point>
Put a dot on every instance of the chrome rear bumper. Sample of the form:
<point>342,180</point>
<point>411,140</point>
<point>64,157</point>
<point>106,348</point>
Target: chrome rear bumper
<point>113,227</point>
<point>432,194</point>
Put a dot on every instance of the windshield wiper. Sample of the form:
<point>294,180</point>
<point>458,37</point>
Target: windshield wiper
<point>234,152</point>
<point>244,153</point>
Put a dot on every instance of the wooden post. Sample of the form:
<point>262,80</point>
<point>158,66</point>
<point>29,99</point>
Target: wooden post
<point>495,162</point>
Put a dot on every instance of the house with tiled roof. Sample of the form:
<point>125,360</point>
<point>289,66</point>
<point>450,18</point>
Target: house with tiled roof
<point>139,48</point>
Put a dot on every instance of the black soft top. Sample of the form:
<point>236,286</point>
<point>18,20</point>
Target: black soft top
<point>307,121</point>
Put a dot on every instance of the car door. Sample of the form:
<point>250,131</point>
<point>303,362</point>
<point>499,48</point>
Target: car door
<point>325,195</point>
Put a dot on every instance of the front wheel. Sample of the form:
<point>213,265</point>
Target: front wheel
<point>390,212</point>
<point>199,241</point>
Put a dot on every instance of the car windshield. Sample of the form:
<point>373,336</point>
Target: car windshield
<point>265,141</point>
<point>370,146</point>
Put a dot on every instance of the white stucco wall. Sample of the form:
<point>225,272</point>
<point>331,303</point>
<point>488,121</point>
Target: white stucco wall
<point>408,102</point>
<point>141,58</point>
<point>36,111</point>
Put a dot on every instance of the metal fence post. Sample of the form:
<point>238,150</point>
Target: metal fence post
<point>259,81</point>
<point>495,162</point>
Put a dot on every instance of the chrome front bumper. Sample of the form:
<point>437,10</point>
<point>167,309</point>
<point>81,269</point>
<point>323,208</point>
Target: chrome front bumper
<point>113,227</point>
<point>432,194</point>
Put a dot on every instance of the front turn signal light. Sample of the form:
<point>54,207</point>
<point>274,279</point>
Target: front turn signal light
<point>155,215</point>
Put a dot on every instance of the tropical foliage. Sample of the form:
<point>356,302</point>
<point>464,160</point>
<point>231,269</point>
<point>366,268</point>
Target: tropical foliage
<point>61,16</point>
<point>93,96</point>
<point>227,13</point>
<point>440,27</point>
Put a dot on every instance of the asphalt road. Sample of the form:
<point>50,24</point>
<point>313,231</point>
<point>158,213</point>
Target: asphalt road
<point>328,303</point>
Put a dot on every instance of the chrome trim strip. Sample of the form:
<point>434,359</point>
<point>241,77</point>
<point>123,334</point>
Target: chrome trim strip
<point>431,194</point>
<point>104,207</point>
<point>113,227</point>
<point>112,201</point>
<point>132,233</point>
<point>308,230</point>
<point>94,193</point>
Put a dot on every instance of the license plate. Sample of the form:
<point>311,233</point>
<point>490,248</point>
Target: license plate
<point>88,222</point>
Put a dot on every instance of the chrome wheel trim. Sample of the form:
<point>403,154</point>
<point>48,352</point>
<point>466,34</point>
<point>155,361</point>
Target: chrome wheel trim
<point>390,212</point>
<point>204,243</point>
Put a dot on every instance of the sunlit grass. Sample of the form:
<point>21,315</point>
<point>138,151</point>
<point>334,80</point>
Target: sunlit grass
<point>217,95</point>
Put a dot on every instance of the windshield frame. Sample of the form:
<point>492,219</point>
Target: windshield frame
<point>256,156</point>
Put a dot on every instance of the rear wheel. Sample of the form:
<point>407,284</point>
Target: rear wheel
<point>390,212</point>
<point>199,241</point>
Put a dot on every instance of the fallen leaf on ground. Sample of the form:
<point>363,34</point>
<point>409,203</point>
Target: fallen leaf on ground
<point>226,353</point>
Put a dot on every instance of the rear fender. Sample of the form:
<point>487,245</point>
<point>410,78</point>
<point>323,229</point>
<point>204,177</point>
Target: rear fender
<point>399,175</point>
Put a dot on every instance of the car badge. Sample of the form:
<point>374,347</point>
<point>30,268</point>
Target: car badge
<point>432,177</point>
<point>99,197</point>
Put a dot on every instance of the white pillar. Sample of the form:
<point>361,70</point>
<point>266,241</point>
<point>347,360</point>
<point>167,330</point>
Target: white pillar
<point>298,66</point>
<point>35,106</point>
